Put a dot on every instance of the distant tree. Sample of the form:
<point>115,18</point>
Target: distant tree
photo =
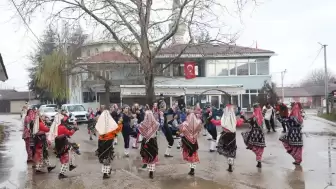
<point>317,76</point>
<point>268,94</point>
<point>203,37</point>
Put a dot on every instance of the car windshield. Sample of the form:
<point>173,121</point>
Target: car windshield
<point>49,109</point>
<point>52,105</point>
<point>76,108</point>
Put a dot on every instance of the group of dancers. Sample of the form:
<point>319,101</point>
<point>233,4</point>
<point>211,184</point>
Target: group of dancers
<point>141,125</point>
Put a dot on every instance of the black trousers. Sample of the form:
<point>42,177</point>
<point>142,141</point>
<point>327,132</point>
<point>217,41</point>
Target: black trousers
<point>269,124</point>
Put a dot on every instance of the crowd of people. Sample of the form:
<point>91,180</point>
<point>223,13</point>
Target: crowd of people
<point>140,125</point>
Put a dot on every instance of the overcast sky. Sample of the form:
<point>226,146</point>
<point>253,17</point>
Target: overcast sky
<point>290,28</point>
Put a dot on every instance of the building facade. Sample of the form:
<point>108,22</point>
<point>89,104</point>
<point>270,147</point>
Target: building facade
<point>224,73</point>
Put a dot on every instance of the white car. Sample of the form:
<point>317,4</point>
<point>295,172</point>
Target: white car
<point>50,112</point>
<point>77,113</point>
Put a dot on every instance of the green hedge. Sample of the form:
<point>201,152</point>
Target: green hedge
<point>1,132</point>
<point>330,117</point>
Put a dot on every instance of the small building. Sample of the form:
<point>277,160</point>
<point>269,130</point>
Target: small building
<point>12,101</point>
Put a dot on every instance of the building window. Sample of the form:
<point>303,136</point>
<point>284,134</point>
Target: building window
<point>242,67</point>
<point>165,72</point>
<point>303,99</point>
<point>88,53</point>
<point>245,100</point>
<point>263,67</point>
<point>212,69</point>
<point>253,67</point>
<point>222,68</point>
<point>108,74</point>
<point>178,70</point>
<point>233,68</point>
<point>89,97</point>
<point>90,76</point>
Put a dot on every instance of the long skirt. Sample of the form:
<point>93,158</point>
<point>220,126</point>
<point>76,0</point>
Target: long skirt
<point>91,126</point>
<point>62,149</point>
<point>29,149</point>
<point>105,151</point>
<point>294,151</point>
<point>189,151</point>
<point>149,151</point>
<point>227,144</point>
<point>293,143</point>
<point>255,141</point>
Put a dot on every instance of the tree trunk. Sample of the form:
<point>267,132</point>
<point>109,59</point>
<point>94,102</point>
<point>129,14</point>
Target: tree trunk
<point>107,95</point>
<point>150,94</point>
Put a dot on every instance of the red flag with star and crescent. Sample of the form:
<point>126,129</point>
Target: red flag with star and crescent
<point>189,70</point>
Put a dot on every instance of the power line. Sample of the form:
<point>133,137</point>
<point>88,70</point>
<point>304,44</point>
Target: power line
<point>24,21</point>
<point>316,57</point>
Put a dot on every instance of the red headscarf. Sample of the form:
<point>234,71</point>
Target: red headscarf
<point>191,128</point>
<point>149,125</point>
<point>296,112</point>
<point>257,114</point>
<point>30,116</point>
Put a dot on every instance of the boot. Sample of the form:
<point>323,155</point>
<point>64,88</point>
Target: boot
<point>62,176</point>
<point>51,168</point>
<point>295,163</point>
<point>151,174</point>
<point>167,154</point>
<point>191,172</point>
<point>72,167</point>
<point>39,172</point>
<point>259,164</point>
<point>212,146</point>
<point>106,176</point>
<point>91,138</point>
<point>230,169</point>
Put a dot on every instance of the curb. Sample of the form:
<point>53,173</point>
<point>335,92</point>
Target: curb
<point>323,120</point>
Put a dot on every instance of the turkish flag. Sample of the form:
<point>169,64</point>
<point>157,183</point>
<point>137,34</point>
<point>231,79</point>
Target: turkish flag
<point>189,70</point>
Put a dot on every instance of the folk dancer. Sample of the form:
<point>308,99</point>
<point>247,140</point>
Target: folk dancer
<point>227,140</point>
<point>282,111</point>
<point>190,130</point>
<point>255,139</point>
<point>107,129</point>
<point>149,147</point>
<point>115,114</point>
<point>211,128</point>
<point>293,141</point>
<point>63,148</point>
<point>27,135</point>
<point>41,156</point>
<point>125,120</point>
<point>269,117</point>
<point>168,117</point>
<point>91,123</point>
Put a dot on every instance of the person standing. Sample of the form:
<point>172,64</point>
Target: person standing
<point>91,123</point>
<point>27,135</point>
<point>190,130</point>
<point>125,120</point>
<point>227,140</point>
<point>107,129</point>
<point>255,139</point>
<point>269,117</point>
<point>282,110</point>
<point>149,147</point>
<point>211,128</point>
<point>293,140</point>
<point>63,148</point>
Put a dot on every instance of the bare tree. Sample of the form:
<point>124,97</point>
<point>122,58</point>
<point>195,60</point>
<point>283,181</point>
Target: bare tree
<point>317,77</point>
<point>151,24</point>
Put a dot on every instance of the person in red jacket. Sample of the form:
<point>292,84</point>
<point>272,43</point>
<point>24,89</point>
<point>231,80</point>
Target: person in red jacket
<point>41,148</point>
<point>282,111</point>
<point>63,148</point>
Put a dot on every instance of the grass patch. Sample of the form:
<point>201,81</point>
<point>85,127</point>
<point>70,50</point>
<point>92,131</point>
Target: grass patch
<point>330,117</point>
<point>2,127</point>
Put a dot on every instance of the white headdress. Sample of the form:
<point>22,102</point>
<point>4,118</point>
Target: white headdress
<point>54,127</point>
<point>228,120</point>
<point>105,123</point>
<point>36,127</point>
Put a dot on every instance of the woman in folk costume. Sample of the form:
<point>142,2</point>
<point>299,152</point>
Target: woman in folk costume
<point>149,147</point>
<point>255,139</point>
<point>227,139</point>
<point>107,129</point>
<point>91,123</point>
<point>292,140</point>
<point>190,130</point>
<point>41,156</point>
<point>63,147</point>
<point>27,135</point>
<point>125,120</point>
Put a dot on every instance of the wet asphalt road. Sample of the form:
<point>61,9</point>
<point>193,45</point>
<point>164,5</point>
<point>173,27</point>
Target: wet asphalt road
<point>277,172</point>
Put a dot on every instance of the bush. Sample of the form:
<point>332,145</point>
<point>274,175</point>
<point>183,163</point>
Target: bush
<point>330,117</point>
<point>1,132</point>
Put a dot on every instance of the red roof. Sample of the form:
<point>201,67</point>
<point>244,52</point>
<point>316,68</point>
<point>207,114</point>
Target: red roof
<point>110,57</point>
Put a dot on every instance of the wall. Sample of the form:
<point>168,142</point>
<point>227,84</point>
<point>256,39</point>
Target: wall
<point>16,105</point>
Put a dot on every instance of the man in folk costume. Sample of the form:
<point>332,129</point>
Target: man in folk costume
<point>107,129</point>
<point>41,157</point>
<point>293,141</point>
<point>149,147</point>
<point>255,139</point>
<point>227,140</point>
<point>190,130</point>
<point>211,128</point>
<point>63,147</point>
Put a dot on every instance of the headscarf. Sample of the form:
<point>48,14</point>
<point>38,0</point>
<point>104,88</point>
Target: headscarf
<point>36,127</point>
<point>296,112</point>
<point>228,120</point>
<point>54,127</point>
<point>191,128</point>
<point>149,125</point>
<point>105,123</point>
<point>29,117</point>
<point>257,114</point>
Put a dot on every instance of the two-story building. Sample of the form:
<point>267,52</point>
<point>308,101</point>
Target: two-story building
<point>239,71</point>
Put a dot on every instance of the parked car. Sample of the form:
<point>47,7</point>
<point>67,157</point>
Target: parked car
<point>49,112</point>
<point>34,106</point>
<point>76,112</point>
<point>48,105</point>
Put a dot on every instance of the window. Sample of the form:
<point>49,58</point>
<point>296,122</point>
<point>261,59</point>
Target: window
<point>178,70</point>
<point>222,68</point>
<point>254,98</point>
<point>89,97</point>
<point>76,108</point>
<point>90,76</point>
<point>88,53</point>
<point>242,69</point>
<point>263,67</point>
<point>234,99</point>
<point>233,68</point>
<point>108,74</point>
<point>303,99</point>
<point>166,71</point>
<point>212,69</point>
<point>253,67</point>
<point>245,100</point>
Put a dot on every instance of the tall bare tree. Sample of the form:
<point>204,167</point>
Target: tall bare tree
<point>317,77</point>
<point>150,23</point>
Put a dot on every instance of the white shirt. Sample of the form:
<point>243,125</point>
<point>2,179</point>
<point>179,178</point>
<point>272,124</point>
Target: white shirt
<point>268,113</point>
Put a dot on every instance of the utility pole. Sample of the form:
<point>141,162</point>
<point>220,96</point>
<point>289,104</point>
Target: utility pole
<point>282,84</point>
<point>326,78</point>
